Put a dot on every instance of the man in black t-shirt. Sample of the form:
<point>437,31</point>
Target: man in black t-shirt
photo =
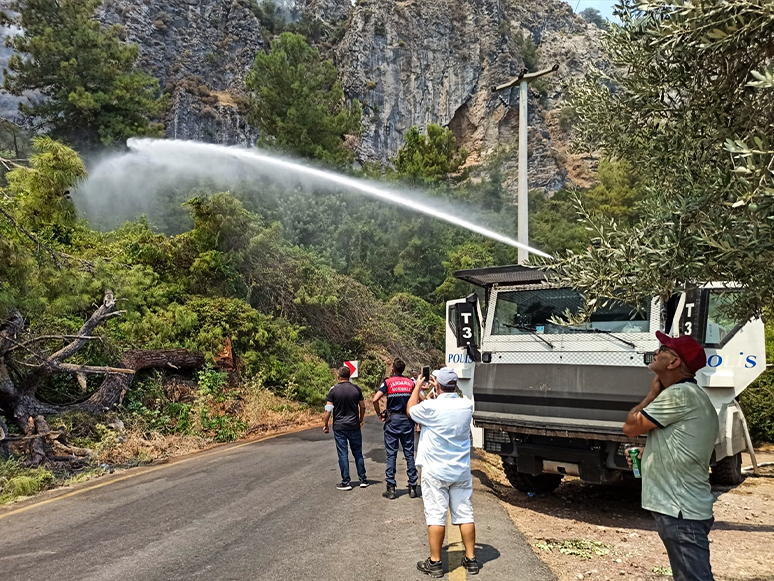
<point>398,427</point>
<point>345,402</point>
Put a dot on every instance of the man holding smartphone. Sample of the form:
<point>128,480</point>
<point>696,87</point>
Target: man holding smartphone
<point>444,455</point>
<point>398,427</point>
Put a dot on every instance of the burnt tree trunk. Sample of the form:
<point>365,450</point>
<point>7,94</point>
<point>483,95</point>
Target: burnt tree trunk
<point>115,385</point>
<point>20,404</point>
<point>5,449</point>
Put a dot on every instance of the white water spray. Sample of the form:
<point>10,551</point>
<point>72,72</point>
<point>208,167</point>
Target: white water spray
<point>156,163</point>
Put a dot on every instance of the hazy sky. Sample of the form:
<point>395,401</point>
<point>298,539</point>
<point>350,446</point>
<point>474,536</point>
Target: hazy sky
<point>605,7</point>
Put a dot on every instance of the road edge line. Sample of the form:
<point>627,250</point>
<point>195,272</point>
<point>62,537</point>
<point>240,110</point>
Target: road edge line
<point>456,548</point>
<point>148,470</point>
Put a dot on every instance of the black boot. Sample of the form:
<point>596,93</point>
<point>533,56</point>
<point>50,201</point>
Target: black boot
<point>413,492</point>
<point>390,492</point>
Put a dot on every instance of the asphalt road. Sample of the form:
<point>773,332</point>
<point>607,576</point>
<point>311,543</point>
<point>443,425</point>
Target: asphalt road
<point>264,510</point>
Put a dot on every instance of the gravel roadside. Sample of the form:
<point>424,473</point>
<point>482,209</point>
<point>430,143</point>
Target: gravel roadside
<point>599,532</point>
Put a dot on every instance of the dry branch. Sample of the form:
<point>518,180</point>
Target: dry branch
<point>79,369</point>
<point>97,318</point>
<point>115,385</point>
<point>19,400</point>
<point>9,329</point>
<point>24,344</point>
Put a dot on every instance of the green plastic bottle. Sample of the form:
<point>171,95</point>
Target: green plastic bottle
<point>634,454</point>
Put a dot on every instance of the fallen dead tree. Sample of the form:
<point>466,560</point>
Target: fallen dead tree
<point>24,368</point>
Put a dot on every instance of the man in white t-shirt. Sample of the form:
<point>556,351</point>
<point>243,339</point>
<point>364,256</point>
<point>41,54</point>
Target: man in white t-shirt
<point>444,456</point>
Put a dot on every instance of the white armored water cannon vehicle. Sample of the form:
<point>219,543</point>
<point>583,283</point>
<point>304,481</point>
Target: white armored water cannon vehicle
<point>552,399</point>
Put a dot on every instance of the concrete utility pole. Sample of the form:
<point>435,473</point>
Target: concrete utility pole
<point>523,197</point>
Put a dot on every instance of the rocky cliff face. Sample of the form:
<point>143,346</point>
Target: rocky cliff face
<point>410,62</point>
<point>415,62</point>
<point>200,50</point>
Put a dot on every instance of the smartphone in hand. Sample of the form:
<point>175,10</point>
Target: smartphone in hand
<point>426,373</point>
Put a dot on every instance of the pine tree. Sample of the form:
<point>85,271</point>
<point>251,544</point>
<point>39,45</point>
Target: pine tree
<point>298,103</point>
<point>92,92</point>
<point>429,157</point>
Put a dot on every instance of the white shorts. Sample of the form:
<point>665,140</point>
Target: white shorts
<point>439,496</point>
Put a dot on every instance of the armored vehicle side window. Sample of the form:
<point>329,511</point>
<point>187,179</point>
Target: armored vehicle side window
<point>530,311</point>
<point>720,326</point>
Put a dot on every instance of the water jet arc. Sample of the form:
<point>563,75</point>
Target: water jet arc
<point>158,148</point>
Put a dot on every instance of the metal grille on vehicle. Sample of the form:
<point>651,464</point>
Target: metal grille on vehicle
<point>493,440</point>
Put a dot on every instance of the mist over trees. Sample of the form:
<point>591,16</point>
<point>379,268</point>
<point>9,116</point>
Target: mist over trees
<point>172,301</point>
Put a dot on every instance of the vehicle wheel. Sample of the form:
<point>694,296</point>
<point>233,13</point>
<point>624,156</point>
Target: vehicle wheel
<point>728,470</point>
<point>528,483</point>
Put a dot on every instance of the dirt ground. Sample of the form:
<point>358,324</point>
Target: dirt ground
<point>599,532</point>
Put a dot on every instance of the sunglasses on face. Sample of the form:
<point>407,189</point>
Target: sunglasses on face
<point>662,348</point>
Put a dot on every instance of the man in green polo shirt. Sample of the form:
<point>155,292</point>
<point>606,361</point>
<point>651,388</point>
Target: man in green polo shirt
<point>682,426</point>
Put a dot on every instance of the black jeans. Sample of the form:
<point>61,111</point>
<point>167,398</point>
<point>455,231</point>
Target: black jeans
<point>687,545</point>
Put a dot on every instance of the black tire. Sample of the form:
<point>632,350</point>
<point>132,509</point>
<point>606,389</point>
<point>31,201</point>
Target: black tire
<point>528,483</point>
<point>728,471</point>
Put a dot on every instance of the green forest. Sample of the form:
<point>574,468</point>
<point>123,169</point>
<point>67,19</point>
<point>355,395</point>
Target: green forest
<point>230,308</point>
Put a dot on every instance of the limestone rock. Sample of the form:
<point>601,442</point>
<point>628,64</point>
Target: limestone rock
<point>201,51</point>
<point>413,63</point>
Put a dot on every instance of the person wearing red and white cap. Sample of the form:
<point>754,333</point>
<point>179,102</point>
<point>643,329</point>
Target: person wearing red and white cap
<point>682,426</point>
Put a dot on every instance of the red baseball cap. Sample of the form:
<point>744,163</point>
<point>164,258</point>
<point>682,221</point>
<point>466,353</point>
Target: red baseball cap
<point>687,349</point>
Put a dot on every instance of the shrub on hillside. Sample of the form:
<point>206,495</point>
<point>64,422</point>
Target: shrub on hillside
<point>757,403</point>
